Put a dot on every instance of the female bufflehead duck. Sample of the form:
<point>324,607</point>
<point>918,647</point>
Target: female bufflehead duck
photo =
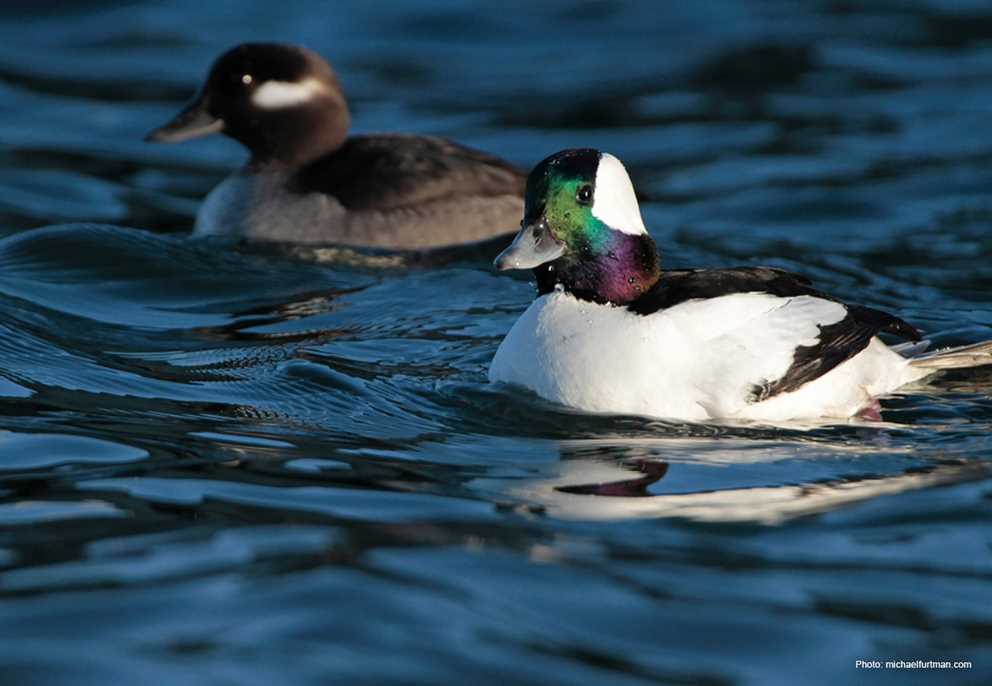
<point>611,332</point>
<point>308,182</point>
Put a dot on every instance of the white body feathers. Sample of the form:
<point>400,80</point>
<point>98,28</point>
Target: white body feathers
<point>695,361</point>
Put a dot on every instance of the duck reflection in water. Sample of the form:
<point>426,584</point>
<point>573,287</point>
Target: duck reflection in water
<point>604,480</point>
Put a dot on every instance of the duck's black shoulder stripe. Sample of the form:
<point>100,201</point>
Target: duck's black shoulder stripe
<point>388,172</point>
<point>680,285</point>
<point>835,344</point>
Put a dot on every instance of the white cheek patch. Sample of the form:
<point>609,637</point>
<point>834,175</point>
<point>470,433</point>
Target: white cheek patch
<point>273,95</point>
<point>614,202</point>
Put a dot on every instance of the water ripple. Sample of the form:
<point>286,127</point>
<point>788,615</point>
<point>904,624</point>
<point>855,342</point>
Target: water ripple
<point>217,461</point>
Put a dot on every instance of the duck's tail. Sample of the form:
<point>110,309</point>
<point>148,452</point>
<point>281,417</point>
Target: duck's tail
<point>966,356</point>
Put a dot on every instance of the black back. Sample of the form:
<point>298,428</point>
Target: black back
<point>679,285</point>
<point>387,172</point>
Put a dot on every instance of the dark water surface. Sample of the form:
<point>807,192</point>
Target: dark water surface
<point>230,467</point>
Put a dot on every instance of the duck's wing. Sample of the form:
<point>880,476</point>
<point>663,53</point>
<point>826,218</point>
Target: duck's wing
<point>768,329</point>
<point>835,343</point>
<point>388,172</point>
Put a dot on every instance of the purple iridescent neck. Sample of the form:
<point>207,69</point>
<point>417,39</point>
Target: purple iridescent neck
<point>613,267</point>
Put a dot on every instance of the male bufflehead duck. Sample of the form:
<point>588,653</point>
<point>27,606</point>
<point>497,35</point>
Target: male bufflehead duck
<point>308,182</point>
<point>611,332</point>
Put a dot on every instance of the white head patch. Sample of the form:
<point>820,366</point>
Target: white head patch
<point>273,95</point>
<point>614,202</point>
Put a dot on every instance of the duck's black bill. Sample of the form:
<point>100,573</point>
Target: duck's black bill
<point>195,121</point>
<point>532,247</point>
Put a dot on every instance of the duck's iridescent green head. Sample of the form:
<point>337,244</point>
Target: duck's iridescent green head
<point>582,229</point>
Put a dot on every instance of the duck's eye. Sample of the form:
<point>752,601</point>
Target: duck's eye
<point>584,195</point>
<point>247,79</point>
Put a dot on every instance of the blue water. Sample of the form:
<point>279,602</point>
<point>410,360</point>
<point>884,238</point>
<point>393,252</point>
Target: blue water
<point>243,466</point>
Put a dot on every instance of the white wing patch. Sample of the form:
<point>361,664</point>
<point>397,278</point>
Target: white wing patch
<point>756,344</point>
<point>615,203</point>
<point>273,95</point>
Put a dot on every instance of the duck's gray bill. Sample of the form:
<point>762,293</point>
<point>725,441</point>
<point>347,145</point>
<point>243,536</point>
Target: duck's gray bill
<point>532,247</point>
<point>193,122</point>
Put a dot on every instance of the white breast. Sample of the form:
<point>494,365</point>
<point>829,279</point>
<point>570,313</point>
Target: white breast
<point>695,361</point>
